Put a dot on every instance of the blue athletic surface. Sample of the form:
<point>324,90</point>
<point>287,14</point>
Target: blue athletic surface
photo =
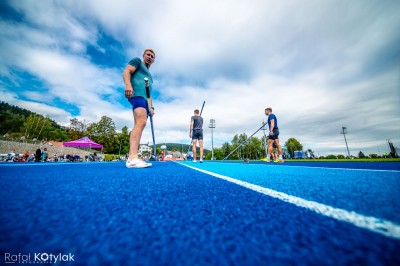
<point>106,214</point>
<point>346,165</point>
<point>370,192</point>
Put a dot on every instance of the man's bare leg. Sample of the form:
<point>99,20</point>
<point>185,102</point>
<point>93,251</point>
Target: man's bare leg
<point>201,149</point>
<point>270,148</point>
<point>194,144</point>
<point>140,119</point>
<point>280,152</point>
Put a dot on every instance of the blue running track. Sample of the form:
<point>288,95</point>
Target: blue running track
<point>171,214</point>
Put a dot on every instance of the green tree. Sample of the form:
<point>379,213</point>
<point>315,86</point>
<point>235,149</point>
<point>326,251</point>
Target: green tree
<point>123,140</point>
<point>12,118</point>
<point>104,133</point>
<point>37,127</point>
<point>58,135</point>
<point>226,149</point>
<point>361,155</point>
<point>264,142</point>
<point>331,156</point>
<point>218,155</point>
<point>255,148</point>
<point>77,128</point>
<point>292,145</point>
<point>237,141</point>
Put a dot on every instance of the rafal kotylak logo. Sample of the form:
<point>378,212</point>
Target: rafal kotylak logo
<point>38,258</point>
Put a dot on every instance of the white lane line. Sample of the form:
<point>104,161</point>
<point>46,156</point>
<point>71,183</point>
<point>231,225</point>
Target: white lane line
<point>380,226</point>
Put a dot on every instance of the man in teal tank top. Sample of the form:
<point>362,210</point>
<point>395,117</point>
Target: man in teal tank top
<point>135,92</point>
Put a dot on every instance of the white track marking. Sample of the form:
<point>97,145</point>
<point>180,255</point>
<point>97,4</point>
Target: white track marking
<point>380,226</point>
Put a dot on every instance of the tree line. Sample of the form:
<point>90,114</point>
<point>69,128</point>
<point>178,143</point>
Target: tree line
<point>19,124</point>
<point>253,148</point>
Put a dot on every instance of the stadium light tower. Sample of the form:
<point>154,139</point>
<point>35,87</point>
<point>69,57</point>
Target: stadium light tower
<point>212,126</point>
<point>344,132</point>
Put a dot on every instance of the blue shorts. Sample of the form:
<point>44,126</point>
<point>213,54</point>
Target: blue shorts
<point>138,102</point>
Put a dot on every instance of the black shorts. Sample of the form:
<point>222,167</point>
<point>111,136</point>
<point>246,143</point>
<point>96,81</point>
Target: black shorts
<point>197,134</point>
<point>275,134</point>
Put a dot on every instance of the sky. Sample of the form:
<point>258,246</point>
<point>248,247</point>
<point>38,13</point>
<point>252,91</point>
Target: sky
<point>320,65</point>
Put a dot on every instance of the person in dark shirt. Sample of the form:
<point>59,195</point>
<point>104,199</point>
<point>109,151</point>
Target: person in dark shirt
<point>38,155</point>
<point>273,137</point>
<point>196,133</point>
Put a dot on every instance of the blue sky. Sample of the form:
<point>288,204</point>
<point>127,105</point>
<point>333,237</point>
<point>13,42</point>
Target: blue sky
<point>320,65</point>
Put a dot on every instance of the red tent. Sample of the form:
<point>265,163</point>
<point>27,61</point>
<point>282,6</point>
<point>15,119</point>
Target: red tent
<point>84,142</point>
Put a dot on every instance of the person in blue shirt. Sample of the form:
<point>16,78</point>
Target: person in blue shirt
<point>135,92</point>
<point>273,137</point>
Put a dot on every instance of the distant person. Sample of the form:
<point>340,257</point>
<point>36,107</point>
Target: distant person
<point>196,133</point>
<point>44,155</point>
<point>273,137</point>
<point>135,92</point>
<point>25,156</point>
<point>16,158</point>
<point>38,155</point>
<point>11,155</point>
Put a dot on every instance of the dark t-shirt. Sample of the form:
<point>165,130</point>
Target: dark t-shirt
<point>270,117</point>
<point>197,122</point>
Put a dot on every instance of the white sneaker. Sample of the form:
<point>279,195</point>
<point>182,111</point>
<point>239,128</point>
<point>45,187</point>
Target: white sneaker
<point>194,161</point>
<point>201,161</point>
<point>137,163</point>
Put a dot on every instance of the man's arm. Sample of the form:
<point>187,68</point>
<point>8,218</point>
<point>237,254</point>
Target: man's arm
<point>271,129</point>
<point>191,128</point>
<point>126,76</point>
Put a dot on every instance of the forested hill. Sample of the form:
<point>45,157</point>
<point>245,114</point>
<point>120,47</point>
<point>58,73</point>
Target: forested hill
<point>13,117</point>
<point>18,123</point>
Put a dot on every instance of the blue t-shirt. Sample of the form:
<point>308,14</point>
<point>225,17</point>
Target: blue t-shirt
<point>272,117</point>
<point>137,79</point>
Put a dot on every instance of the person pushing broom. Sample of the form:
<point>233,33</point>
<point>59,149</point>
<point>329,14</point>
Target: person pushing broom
<point>273,138</point>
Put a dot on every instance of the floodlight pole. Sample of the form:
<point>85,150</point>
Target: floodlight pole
<point>344,132</point>
<point>212,126</point>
